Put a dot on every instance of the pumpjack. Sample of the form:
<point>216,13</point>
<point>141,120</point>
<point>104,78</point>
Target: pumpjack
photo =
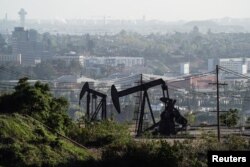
<point>91,116</point>
<point>166,126</point>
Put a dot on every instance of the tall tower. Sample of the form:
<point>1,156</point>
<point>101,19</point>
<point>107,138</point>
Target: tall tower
<point>22,14</point>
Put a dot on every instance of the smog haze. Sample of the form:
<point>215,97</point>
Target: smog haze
<point>167,10</point>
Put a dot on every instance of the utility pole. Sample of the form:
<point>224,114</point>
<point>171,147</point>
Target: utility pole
<point>218,100</point>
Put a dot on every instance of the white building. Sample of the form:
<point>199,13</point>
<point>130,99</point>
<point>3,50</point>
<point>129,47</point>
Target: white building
<point>211,65</point>
<point>10,58</point>
<point>114,61</point>
<point>235,64</point>
<point>247,62</point>
<point>73,79</point>
<point>184,68</point>
<point>70,58</point>
<point>244,69</point>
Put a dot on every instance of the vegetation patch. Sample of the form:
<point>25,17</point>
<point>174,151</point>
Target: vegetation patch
<point>25,142</point>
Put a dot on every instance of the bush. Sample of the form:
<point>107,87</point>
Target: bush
<point>161,153</point>
<point>99,134</point>
<point>236,143</point>
<point>25,142</point>
<point>140,154</point>
<point>230,118</point>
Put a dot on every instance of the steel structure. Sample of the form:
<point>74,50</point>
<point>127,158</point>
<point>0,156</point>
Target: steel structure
<point>169,115</point>
<point>95,108</point>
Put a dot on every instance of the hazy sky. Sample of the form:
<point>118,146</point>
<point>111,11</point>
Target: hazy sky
<point>168,10</point>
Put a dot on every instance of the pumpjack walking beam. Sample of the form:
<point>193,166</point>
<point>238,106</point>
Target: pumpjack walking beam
<point>143,87</point>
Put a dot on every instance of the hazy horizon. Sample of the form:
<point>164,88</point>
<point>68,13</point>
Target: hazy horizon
<point>165,10</point>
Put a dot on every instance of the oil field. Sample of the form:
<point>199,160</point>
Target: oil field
<point>124,83</point>
<point>146,101</point>
<point>125,118</point>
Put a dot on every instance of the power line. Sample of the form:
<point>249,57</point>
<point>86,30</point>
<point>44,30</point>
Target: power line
<point>201,75</point>
<point>233,72</point>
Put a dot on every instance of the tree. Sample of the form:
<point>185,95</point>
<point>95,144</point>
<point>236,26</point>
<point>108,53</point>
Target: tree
<point>230,118</point>
<point>190,118</point>
<point>37,101</point>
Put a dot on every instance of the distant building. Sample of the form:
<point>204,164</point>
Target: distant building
<point>70,57</point>
<point>184,68</point>
<point>97,66</point>
<point>211,65</point>
<point>235,64</point>
<point>71,81</point>
<point>114,61</point>
<point>201,83</point>
<point>247,62</point>
<point>25,42</point>
<point>16,59</point>
<point>244,69</point>
<point>239,65</point>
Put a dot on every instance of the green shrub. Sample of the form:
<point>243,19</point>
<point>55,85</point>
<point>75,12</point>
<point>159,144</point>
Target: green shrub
<point>25,142</point>
<point>139,154</point>
<point>233,142</point>
<point>101,133</point>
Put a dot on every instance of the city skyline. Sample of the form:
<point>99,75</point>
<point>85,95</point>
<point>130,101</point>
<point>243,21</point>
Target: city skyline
<point>165,10</point>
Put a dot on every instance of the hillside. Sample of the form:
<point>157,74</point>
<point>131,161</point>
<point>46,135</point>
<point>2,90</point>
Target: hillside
<point>25,142</point>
